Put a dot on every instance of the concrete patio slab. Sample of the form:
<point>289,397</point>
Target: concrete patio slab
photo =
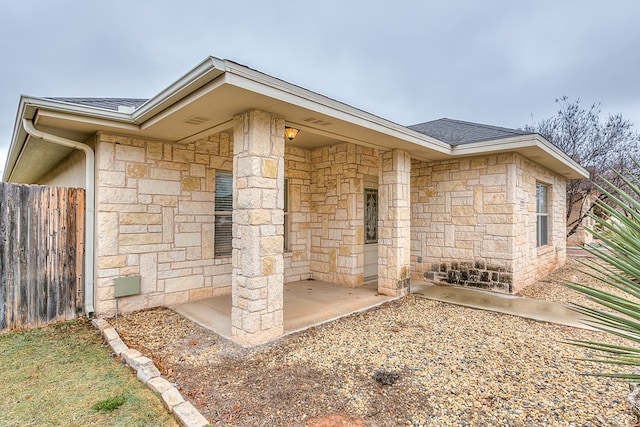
<point>306,303</point>
<point>312,302</point>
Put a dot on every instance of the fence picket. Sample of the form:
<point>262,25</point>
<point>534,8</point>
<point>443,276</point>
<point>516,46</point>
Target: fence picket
<point>41,254</point>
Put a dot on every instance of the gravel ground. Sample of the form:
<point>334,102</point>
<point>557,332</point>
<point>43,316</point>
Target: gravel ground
<point>550,287</point>
<point>450,366</point>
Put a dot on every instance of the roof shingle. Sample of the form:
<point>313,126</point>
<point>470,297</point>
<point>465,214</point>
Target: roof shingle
<point>457,132</point>
<point>104,103</point>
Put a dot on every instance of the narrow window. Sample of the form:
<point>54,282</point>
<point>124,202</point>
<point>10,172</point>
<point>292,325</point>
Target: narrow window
<point>542,214</point>
<point>370,215</point>
<point>286,214</point>
<point>223,214</point>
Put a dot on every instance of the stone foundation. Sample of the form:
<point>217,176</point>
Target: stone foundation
<point>476,274</point>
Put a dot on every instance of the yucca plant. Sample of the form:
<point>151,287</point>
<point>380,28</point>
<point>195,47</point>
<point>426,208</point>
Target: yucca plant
<point>619,234</point>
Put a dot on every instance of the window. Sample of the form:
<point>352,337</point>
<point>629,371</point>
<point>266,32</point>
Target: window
<point>223,214</point>
<point>542,214</point>
<point>285,242</point>
<point>370,215</point>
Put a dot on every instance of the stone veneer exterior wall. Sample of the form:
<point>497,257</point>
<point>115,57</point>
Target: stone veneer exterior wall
<point>531,262</point>
<point>474,222</point>
<point>337,211</point>
<point>297,254</point>
<point>155,219</point>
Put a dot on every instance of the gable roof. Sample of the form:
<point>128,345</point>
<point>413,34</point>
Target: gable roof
<point>104,103</point>
<point>457,132</point>
<point>206,100</point>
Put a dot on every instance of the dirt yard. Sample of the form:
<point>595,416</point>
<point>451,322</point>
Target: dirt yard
<point>411,362</point>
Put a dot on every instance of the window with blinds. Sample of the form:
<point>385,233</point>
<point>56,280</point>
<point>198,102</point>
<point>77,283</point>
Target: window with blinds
<point>223,214</point>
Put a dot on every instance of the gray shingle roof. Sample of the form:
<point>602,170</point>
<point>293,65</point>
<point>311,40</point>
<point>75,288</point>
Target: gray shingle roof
<point>457,132</point>
<point>104,103</point>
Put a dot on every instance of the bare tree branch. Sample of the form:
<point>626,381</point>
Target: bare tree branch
<point>596,144</point>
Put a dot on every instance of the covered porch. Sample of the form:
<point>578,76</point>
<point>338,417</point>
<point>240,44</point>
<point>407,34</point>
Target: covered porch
<point>307,303</point>
<point>339,213</point>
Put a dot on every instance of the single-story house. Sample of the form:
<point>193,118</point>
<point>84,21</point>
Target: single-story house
<point>205,189</point>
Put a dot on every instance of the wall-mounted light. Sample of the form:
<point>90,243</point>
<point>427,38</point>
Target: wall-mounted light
<point>290,133</point>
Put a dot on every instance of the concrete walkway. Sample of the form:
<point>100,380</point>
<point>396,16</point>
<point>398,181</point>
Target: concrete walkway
<point>306,303</point>
<point>502,303</point>
<point>312,302</point>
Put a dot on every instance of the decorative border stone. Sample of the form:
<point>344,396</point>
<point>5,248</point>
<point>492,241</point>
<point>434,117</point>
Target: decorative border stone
<point>186,414</point>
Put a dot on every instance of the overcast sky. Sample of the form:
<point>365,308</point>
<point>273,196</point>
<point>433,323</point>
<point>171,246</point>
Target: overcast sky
<point>496,62</point>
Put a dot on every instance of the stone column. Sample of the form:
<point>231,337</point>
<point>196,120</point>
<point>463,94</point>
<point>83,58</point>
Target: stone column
<point>394,223</point>
<point>258,228</point>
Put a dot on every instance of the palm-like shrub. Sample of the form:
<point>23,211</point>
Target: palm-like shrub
<point>620,312</point>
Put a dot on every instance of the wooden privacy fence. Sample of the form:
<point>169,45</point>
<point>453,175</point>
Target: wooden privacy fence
<point>41,254</point>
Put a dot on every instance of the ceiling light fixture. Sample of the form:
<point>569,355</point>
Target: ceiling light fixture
<point>290,133</point>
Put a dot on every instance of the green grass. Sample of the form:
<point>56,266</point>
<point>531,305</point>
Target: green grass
<point>60,375</point>
<point>110,404</point>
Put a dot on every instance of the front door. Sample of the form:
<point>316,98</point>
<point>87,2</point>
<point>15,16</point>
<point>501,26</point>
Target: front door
<point>370,229</point>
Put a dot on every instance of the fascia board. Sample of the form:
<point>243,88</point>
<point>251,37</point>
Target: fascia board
<point>252,80</point>
<point>520,142</point>
<point>17,140</point>
<point>91,120</point>
<point>203,73</point>
<point>80,110</point>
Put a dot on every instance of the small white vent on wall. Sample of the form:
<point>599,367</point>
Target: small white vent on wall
<point>316,121</point>
<point>196,120</point>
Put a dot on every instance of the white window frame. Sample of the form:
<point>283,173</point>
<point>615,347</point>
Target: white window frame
<point>542,214</point>
<point>286,216</point>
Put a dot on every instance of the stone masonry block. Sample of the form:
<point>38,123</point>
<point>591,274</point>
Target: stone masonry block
<point>171,398</point>
<point>100,324</point>
<point>189,416</point>
<point>147,372</point>
<point>248,166</point>
<point>137,170</point>
<point>159,385</point>
<point>129,153</point>
<point>259,216</point>
<point>137,362</point>
<point>110,334</point>
<point>269,168</point>
<point>129,356</point>
<point>118,195</point>
<point>271,245</point>
<point>118,346</point>
<point>153,186</point>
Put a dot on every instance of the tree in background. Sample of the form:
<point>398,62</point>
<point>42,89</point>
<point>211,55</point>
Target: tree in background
<point>597,145</point>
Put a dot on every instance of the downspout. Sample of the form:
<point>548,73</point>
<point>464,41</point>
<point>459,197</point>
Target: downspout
<point>90,206</point>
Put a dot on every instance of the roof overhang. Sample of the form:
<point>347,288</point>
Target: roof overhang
<point>205,100</point>
<point>533,147</point>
